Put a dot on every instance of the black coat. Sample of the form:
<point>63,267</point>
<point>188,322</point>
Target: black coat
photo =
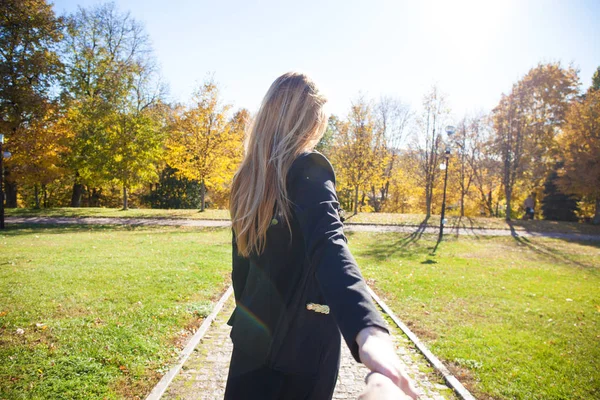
<point>271,322</point>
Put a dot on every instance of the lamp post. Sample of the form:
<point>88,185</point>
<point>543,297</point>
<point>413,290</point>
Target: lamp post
<point>450,131</point>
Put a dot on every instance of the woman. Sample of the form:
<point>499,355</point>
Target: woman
<point>296,284</point>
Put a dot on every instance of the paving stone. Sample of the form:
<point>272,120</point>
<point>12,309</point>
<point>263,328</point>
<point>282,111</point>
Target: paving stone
<point>205,372</point>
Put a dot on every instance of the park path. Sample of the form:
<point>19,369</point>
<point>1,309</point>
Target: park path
<point>204,373</point>
<point>419,230</point>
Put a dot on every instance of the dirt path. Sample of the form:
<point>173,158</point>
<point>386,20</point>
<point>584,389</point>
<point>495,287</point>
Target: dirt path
<point>348,227</point>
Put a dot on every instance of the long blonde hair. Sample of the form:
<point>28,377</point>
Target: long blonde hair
<point>291,120</point>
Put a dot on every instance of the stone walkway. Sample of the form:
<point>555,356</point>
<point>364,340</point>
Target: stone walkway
<point>204,374</point>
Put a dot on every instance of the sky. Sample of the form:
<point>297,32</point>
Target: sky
<point>474,50</point>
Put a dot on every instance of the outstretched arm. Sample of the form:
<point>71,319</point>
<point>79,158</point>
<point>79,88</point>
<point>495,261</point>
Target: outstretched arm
<point>312,190</point>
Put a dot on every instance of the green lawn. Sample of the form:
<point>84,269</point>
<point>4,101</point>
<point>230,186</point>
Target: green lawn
<point>513,319</point>
<point>118,213</point>
<point>103,310</point>
<point>360,218</point>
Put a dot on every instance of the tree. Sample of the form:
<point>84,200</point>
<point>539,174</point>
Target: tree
<point>359,155</point>
<point>468,141</point>
<point>526,123</point>
<point>596,79</point>
<point>326,143</point>
<point>427,144</point>
<point>105,54</point>
<point>484,165</point>
<point>393,118</point>
<point>136,138</point>
<point>202,140</point>
<point>556,205</point>
<point>38,152</point>
<point>173,192</point>
<point>29,66</point>
<point>580,144</point>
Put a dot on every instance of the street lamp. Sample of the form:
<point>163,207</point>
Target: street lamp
<point>449,131</point>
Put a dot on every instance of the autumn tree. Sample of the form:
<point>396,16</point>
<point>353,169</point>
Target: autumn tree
<point>38,152</point>
<point>484,165</point>
<point>580,145</point>
<point>360,155</point>
<point>392,120</point>
<point>29,67</point>
<point>526,122</point>
<point>202,140</point>
<point>428,141</point>
<point>468,159</point>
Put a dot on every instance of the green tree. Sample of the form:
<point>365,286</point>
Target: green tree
<point>105,54</point>
<point>596,79</point>
<point>29,67</point>
<point>556,205</point>
<point>173,192</point>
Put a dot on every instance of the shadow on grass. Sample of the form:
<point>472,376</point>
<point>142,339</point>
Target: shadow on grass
<point>471,229</point>
<point>549,251</point>
<point>404,246</point>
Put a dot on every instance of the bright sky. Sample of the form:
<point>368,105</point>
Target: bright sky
<point>474,49</point>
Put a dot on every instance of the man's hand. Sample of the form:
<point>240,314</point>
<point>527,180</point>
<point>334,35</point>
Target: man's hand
<point>377,352</point>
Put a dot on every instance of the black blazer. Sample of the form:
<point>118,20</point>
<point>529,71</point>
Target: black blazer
<point>314,265</point>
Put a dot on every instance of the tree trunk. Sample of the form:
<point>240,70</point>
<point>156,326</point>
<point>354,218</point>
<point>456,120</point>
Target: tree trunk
<point>45,196</point>
<point>124,197</point>
<point>428,203</point>
<point>76,196</point>
<point>89,196</point>
<point>36,195</point>
<point>10,191</point>
<point>202,195</point>
<point>596,220</point>
<point>355,200</point>
<point>508,206</point>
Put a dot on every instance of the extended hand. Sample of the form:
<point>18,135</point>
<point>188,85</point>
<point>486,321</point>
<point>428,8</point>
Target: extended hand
<point>377,352</point>
<point>381,387</point>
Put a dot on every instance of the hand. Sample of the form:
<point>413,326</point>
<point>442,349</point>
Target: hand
<point>377,352</point>
<point>380,387</point>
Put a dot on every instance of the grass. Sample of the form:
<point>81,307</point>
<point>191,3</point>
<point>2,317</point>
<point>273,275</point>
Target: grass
<point>101,212</point>
<point>475,223</point>
<point>360,218</point>
<point>513,319</point>
<point>100,312</point>
<point>104,310</point>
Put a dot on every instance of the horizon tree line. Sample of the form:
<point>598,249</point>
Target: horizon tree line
<point>85,115</point>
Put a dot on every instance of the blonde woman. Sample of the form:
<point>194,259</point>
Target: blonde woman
<point>296,284</point>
